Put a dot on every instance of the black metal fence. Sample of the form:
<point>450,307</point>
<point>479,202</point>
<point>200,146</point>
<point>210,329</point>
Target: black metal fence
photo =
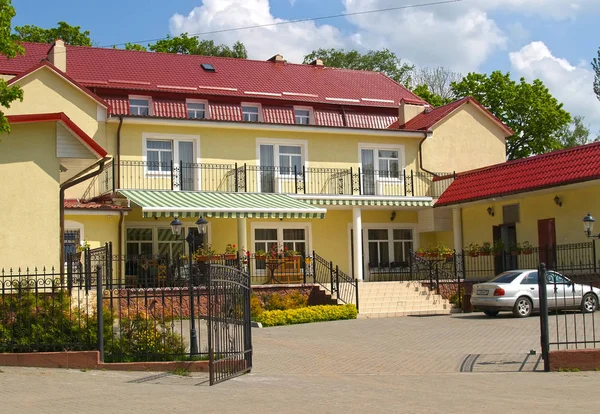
<point>156,175</point>
<point>341,286</point>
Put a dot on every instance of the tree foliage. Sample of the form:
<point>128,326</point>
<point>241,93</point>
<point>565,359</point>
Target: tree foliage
<point>435,100</point>
<point>72,35</point>
<point>186,45</point>
<point>135,46</point>
<point>596,67</point>
<point>10,49</point>
<point>575,133</point>
<point>384,61</point>
<point>535,116</point>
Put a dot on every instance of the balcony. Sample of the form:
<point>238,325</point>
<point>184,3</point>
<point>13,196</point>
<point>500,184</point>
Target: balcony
<point>151,175</point>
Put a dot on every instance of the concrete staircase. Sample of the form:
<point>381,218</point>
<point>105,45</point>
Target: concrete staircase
<point>390,299</point>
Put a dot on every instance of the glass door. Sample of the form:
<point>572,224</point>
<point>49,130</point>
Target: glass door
<point>266,173</point>
<point>368,171</point>
<point>187,175</point>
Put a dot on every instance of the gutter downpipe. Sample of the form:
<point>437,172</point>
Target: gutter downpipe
<point>77,179</point>
<point>118,157</point>
<point>120,243</point>
<point>425,136</point>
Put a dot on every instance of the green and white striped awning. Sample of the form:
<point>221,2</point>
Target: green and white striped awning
<point>221,205</point>
<point>369,202</point>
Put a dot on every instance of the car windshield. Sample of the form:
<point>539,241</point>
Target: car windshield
<point>505,277</point>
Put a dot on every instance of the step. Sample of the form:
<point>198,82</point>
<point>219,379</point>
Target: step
<point>369,315</point>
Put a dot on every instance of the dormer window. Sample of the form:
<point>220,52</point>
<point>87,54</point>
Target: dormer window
<point>196,109</point>
<point>303,115</point>
<point>140,105</point>
<point>251,112</point>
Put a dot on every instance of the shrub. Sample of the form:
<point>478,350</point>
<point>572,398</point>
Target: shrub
<point>308,314</point>
<point>292,300</point>
<point>256,308</point>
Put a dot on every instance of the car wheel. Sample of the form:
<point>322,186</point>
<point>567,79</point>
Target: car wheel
<point>523,307</point>
<point>491,313</point>
<point>589,303</point>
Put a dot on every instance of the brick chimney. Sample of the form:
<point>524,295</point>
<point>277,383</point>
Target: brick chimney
<point>408,110</point>
<point>58,55</point>
<point>277,59</point>
<point>316,62</point>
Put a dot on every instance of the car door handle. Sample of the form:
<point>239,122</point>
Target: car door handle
<point>532,288</point>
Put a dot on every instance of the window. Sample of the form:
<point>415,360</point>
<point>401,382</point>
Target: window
<point>303,116</point>
<point>159,155</point>
<point>510,214</point>
<point>168,244</point>
<point>292,237</point>
<point>196,110</point>
<point>251,112</point>
<point>403,244</point>
<point>389,247</point>
<point>530,279</point>
<point>139,106</point>
<point>72,240</point>
<point>389,165</point>
<point>139,241</point>
<point>379,248</point>
<point>159,240</point>
<point>382,169</point>
<point>279,160</point>
<point>290,159</point>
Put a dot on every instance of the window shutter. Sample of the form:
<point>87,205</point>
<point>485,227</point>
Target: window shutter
<point>510,214</point>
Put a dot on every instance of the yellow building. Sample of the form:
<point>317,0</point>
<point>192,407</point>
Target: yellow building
<point>305,157</point>
<point>532,209</point>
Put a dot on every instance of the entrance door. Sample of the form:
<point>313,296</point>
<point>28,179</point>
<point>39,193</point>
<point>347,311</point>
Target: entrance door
<point>547,242</point>
<point>505,261</point>
<point>267,169</point>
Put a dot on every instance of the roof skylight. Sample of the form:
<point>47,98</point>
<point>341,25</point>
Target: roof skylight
<point>208,67</point>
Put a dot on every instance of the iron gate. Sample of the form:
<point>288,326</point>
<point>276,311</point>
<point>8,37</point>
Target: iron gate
<point>229,328</point>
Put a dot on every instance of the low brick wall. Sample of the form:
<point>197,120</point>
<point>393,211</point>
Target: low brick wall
<point>581,359</point>
<point>91,360</point>
<point>311,292</point>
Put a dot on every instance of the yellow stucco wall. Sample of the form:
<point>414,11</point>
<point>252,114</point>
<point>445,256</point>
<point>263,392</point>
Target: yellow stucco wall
<point>29,234</point>
<point>46,92</point>
<point>466,140</point>
<point>98,229</point>
<point>477,224</point>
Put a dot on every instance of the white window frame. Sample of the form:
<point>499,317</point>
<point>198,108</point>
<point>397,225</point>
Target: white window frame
<point>184,231</point>
<point>380,226</point>
<point>254,105</point>
<point>276,142</point>
<point>175,139</point>
<point>311,117</point>
<point>280,226</point>
<point>198,101</point>
<point>148,98</point>
<point>381,181</point>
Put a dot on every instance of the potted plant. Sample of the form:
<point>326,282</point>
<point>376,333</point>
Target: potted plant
<point>498,247</point>
<point>485,249</point>
<point>473,249</point>
<point>260,255</point>
<point>444,251</point>
<point>83,245</point>
<point>516,249</point>
<point>422,251</point>
<point>527,248</point>
<point>230,252</point>
<point>205,253</point>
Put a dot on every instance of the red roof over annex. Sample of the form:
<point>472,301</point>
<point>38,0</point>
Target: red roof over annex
<point>554,169</point>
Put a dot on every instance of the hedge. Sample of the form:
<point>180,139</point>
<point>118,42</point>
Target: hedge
<point>309,314</point>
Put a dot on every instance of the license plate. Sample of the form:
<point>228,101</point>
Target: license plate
<point>483,291</point>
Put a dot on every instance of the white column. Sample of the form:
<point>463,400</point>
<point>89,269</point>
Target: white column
<point>242,234</point>
<point>457,229</point>
<point>357,242</point>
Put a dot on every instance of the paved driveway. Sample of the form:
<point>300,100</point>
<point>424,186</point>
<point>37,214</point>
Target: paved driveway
<point>396,345</point>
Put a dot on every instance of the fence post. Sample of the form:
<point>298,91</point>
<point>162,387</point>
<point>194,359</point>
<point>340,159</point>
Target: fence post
<point>172,176</point>
<point>404,176</point>
<point>314,266</point>
<point>337,280</point>
<point>359,182</point>
<point>296,179</point>
<point>594,255</point>
<point>331,275</point>
<point>356,291</point>
<point>457,276</point>
<point>437,278</point>
<point>544,336</point>
<point>410,265</point>
<point>70,272</point>
<point>412,183</point>
<point>304,267</point>
<point>100,312</point>
<point>236,178</point>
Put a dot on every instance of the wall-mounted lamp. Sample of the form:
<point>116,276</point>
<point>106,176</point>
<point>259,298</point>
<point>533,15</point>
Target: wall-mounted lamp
<point>392,216</point>
<point>490,211</point>
<point>557,201</point>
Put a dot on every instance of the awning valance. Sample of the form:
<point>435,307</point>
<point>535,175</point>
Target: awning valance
<point>369,202</point>
<point>220,205</point>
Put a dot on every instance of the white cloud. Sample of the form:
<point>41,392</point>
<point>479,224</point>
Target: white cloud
<point>570,84</point>
<point>292,40</point>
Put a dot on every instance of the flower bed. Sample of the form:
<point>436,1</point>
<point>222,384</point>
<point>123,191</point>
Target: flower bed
<point>308,314</point>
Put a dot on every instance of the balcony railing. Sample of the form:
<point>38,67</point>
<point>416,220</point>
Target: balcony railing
<point>154,175</point>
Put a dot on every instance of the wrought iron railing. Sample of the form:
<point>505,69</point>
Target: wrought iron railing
<point>344,287</point>
<point>156,175</point>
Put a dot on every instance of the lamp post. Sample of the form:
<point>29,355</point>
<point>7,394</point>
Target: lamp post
<point>194,240</point>
<point>588,227</point>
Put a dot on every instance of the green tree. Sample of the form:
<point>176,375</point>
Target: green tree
<point>384,61</point>
<point>71,35</point>
<point>9,49</point>
<point>135,46</point>
<point>596,67</point>
<point>535,116</point>
<point>575,133</point>
<point>435,100</point>
<point>186,45</point>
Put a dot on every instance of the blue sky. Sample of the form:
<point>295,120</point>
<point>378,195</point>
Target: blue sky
<point>554,40</point>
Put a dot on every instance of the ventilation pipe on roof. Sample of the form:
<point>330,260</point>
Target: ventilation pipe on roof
<point>408,110</point>
<point>277,59</point>
<point>58,55</point>
<point>317,62</point>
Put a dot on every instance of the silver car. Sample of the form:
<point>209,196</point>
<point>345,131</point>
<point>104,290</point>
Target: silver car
<point>517,291</point>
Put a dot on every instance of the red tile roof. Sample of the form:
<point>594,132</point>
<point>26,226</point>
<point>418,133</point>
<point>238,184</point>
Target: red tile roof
<point>427,120</point>
<point>74,204</point>
<point>85,139</point>
<point>251,79</point>
<point>528,174</point>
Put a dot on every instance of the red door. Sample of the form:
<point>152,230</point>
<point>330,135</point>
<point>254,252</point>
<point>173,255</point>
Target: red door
<point>547,242</point>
